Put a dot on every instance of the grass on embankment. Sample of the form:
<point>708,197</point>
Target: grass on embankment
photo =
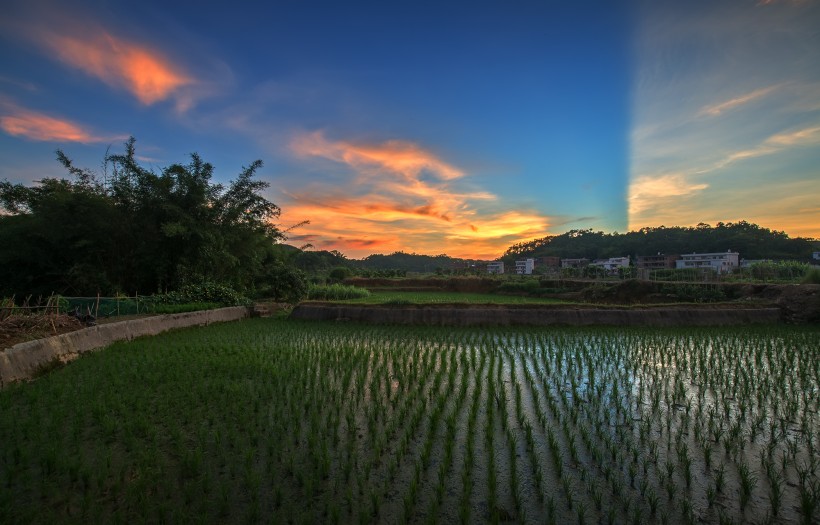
<point>391,297</point>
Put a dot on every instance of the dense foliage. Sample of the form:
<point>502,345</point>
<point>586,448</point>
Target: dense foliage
<point>137,231</point>
<point>750,240</point>
<point>200,293</point>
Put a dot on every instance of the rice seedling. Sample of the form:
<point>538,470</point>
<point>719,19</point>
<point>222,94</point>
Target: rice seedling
<point>748,481</point>
<point>342,414</point>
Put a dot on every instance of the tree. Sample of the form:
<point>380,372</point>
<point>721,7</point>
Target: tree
<point>140,231</point>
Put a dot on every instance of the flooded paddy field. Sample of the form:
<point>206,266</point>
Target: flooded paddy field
<point>301,422</point>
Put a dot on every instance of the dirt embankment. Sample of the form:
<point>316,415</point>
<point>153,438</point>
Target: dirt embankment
<point>534,315</point>
<point>448,284</point>
<point>19,328</point>
<point>798,303</point>
<point>25,360</point>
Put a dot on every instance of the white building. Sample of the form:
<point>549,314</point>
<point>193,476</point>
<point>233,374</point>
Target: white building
<point>612,263</point>
<point>524,266</point>
<point>495,267</point>
<point>721,262</point>
<point>815,256</point>
<point>574,263</point>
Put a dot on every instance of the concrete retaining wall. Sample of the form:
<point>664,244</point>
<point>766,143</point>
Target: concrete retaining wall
<point>22,361</point>
<point>503,316</point>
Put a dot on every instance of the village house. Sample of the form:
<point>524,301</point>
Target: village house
<point>720,262</point>
<point>495,267</point>
<point>548,262</point>
<point>613,263</point>
<point>524,266</point>
<point>574,263</point>
<point>656,262</point>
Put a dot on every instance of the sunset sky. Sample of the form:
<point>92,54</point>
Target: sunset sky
<point>437,127</point>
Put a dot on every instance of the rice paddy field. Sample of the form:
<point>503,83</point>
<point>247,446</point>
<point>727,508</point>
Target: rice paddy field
<point>277,421</point>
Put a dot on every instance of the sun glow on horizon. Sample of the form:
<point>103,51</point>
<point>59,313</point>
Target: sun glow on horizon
<point>401,197</point>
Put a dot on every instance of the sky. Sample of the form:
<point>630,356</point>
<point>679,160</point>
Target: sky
<point>436,127</point>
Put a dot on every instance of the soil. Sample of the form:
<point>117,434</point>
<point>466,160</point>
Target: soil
<point>20,328</point>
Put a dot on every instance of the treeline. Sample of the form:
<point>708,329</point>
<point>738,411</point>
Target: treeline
<point>397,264</point>
<point>748,239</point>
<point>140,231</point>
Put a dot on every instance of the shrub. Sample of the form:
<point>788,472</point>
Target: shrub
<point>399,302</point>
<point>284,284</point>
<point>181,308</point>
<point>339,274</point>
<point>201,293</point>
<point>694,293</point>
<point>525,286</point>
<point>336,292</point>
<point>812,276</point>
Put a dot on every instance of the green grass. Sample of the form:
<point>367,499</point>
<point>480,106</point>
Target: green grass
<point>181,308</point>
<point>390,297</point>
<point>336,292</point>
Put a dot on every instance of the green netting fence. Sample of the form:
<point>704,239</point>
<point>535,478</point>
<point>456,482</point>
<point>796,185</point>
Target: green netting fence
<point>106,306</point>
<point>99,307</point>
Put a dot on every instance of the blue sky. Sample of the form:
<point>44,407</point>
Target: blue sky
<point>459,128</point>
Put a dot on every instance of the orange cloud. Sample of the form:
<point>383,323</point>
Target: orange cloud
<point>358,231</point>
<point>38,126</point>
<point>146,74</point>
<point>401,197</point>
<point>404,158</point>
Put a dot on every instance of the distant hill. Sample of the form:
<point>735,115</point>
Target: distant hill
<point>750,240</point>
<point>411,262</point>
<point>313,261</point>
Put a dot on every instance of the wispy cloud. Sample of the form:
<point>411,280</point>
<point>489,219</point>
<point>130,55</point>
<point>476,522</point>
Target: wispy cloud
<point>39,126</point>
<point>146,73</point>
<point>716,109</point>
<point>21,84</point>
<point>781,2</point>
<point>400,196</point>
<point>648,192</point>
<point>775,144</point>
<point>726,97</point>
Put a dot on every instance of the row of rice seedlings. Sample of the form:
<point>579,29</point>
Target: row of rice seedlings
<point>348,417</point>
<point>684,461</point>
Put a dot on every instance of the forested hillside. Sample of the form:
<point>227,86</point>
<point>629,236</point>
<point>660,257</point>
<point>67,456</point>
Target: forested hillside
<point>750,240</point>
